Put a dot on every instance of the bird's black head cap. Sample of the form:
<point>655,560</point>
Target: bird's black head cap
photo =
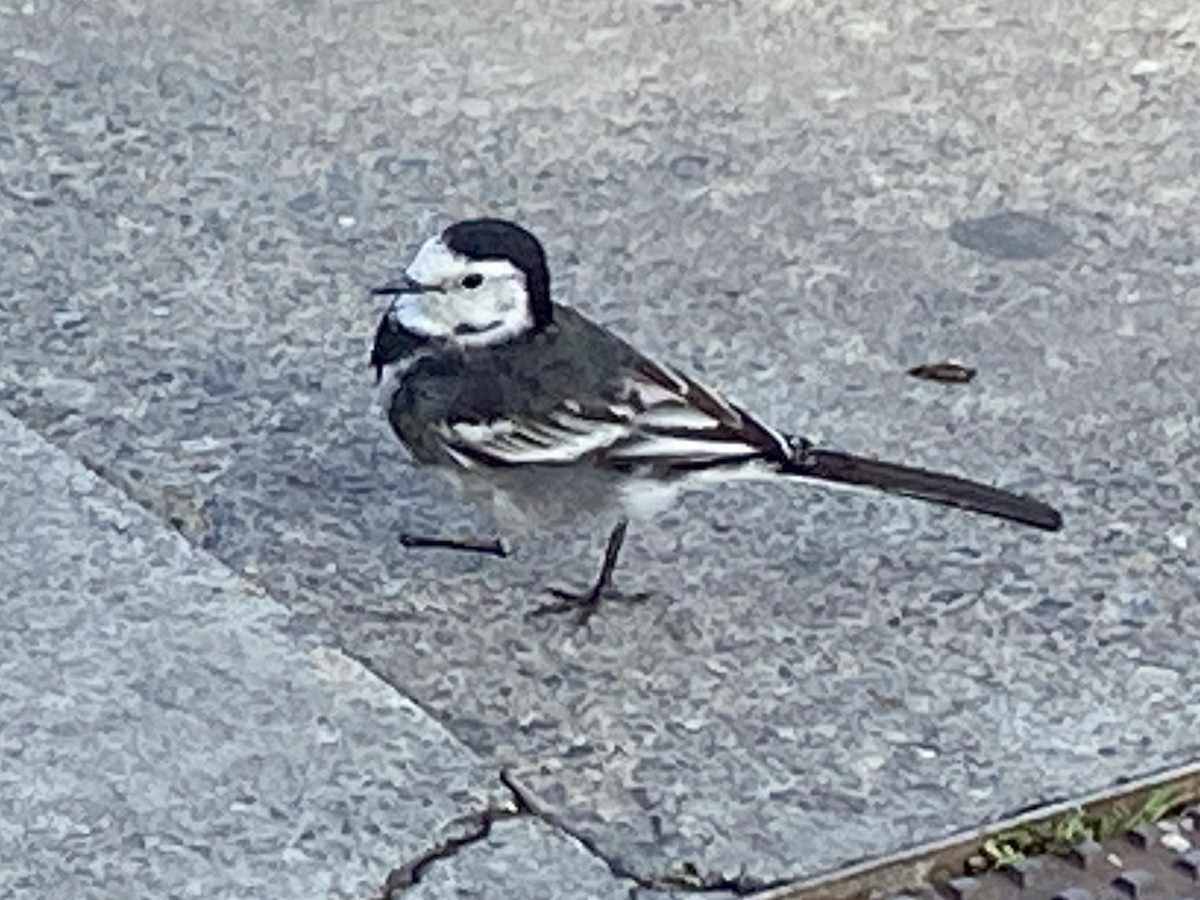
<point>501,239</point>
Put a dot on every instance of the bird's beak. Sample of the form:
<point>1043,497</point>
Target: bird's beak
<point>404,285</point>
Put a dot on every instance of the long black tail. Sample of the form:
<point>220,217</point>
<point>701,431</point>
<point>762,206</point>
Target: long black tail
<point>934,487</point>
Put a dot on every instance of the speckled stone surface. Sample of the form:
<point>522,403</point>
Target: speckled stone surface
<point>798,202</point>
<point>536,850</point>
<point>166,731</point>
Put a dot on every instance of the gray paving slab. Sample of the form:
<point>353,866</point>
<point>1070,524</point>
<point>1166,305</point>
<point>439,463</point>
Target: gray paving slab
<point>796,201</point>
<point>166,731</point>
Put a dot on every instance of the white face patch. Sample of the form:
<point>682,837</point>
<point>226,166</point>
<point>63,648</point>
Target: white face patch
<point>491,311</point>
<point>434,263</point>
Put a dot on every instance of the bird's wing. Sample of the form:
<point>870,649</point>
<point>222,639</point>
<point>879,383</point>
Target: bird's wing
<point>654,418</point>
<point>681,425</point>
<point>566,435</point>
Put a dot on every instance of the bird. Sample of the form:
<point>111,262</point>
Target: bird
<point>528,405</point>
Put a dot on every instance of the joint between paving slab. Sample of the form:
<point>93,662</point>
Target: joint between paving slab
<point>478,828</point>
<point>689,880</point>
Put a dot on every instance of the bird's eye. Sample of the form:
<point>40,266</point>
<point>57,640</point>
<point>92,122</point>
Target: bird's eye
<point>472,281</point>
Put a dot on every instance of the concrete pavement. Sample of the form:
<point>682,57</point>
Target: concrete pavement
<point>796,202</point>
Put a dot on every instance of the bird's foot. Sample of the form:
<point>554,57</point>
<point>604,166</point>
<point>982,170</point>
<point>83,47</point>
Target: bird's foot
<point>493,547</point>
<point>584,604</point>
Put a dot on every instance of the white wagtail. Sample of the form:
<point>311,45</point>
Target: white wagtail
<point>549,416</point>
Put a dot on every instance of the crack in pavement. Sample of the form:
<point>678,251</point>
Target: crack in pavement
<point>478,828</point>
<point>688,879</point>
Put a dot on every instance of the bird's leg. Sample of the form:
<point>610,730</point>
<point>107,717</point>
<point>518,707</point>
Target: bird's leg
<point>420,541</point>
<point>585,604</point>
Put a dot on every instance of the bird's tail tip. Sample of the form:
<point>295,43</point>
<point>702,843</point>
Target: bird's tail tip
<point>933,487</point>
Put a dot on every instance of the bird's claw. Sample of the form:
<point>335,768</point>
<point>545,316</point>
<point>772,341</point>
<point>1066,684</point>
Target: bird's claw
<point>584,604</point>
